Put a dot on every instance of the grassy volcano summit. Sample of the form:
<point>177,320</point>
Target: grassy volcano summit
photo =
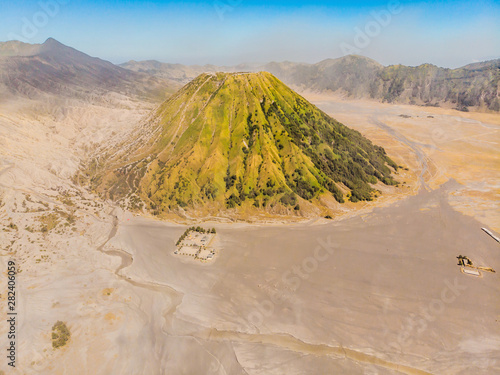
<point>243,140</point>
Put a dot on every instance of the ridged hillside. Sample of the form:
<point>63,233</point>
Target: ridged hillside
<point>242,139</point>
<point>350,74</point>
<point>475,85</point>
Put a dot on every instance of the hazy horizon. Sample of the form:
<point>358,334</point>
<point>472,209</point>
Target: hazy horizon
<point>447,34</point>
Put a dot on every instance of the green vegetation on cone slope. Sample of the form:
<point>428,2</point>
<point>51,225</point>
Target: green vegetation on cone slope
<point>245,138</point>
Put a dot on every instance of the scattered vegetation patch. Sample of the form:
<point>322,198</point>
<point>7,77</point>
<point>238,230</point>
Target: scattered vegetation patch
<point>60,334</point>
<point>48,222</point>
<point>66,199</point>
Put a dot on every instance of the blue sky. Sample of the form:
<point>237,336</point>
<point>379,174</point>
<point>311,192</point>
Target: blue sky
<point>227,32</point>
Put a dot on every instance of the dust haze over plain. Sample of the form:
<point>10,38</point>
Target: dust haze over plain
<point>448,34</point>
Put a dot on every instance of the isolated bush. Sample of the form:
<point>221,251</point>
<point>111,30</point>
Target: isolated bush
<point>60,334</point>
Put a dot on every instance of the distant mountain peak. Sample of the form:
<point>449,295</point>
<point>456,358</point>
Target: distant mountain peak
<point>53,46</point>
<point>349,59</point>
<point>51,40</point>
<point>16,48</point>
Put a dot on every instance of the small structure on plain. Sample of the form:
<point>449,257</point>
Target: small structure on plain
<point>197,242</point>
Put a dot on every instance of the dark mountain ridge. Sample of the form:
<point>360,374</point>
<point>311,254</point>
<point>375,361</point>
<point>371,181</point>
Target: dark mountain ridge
<point>52,68</point>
